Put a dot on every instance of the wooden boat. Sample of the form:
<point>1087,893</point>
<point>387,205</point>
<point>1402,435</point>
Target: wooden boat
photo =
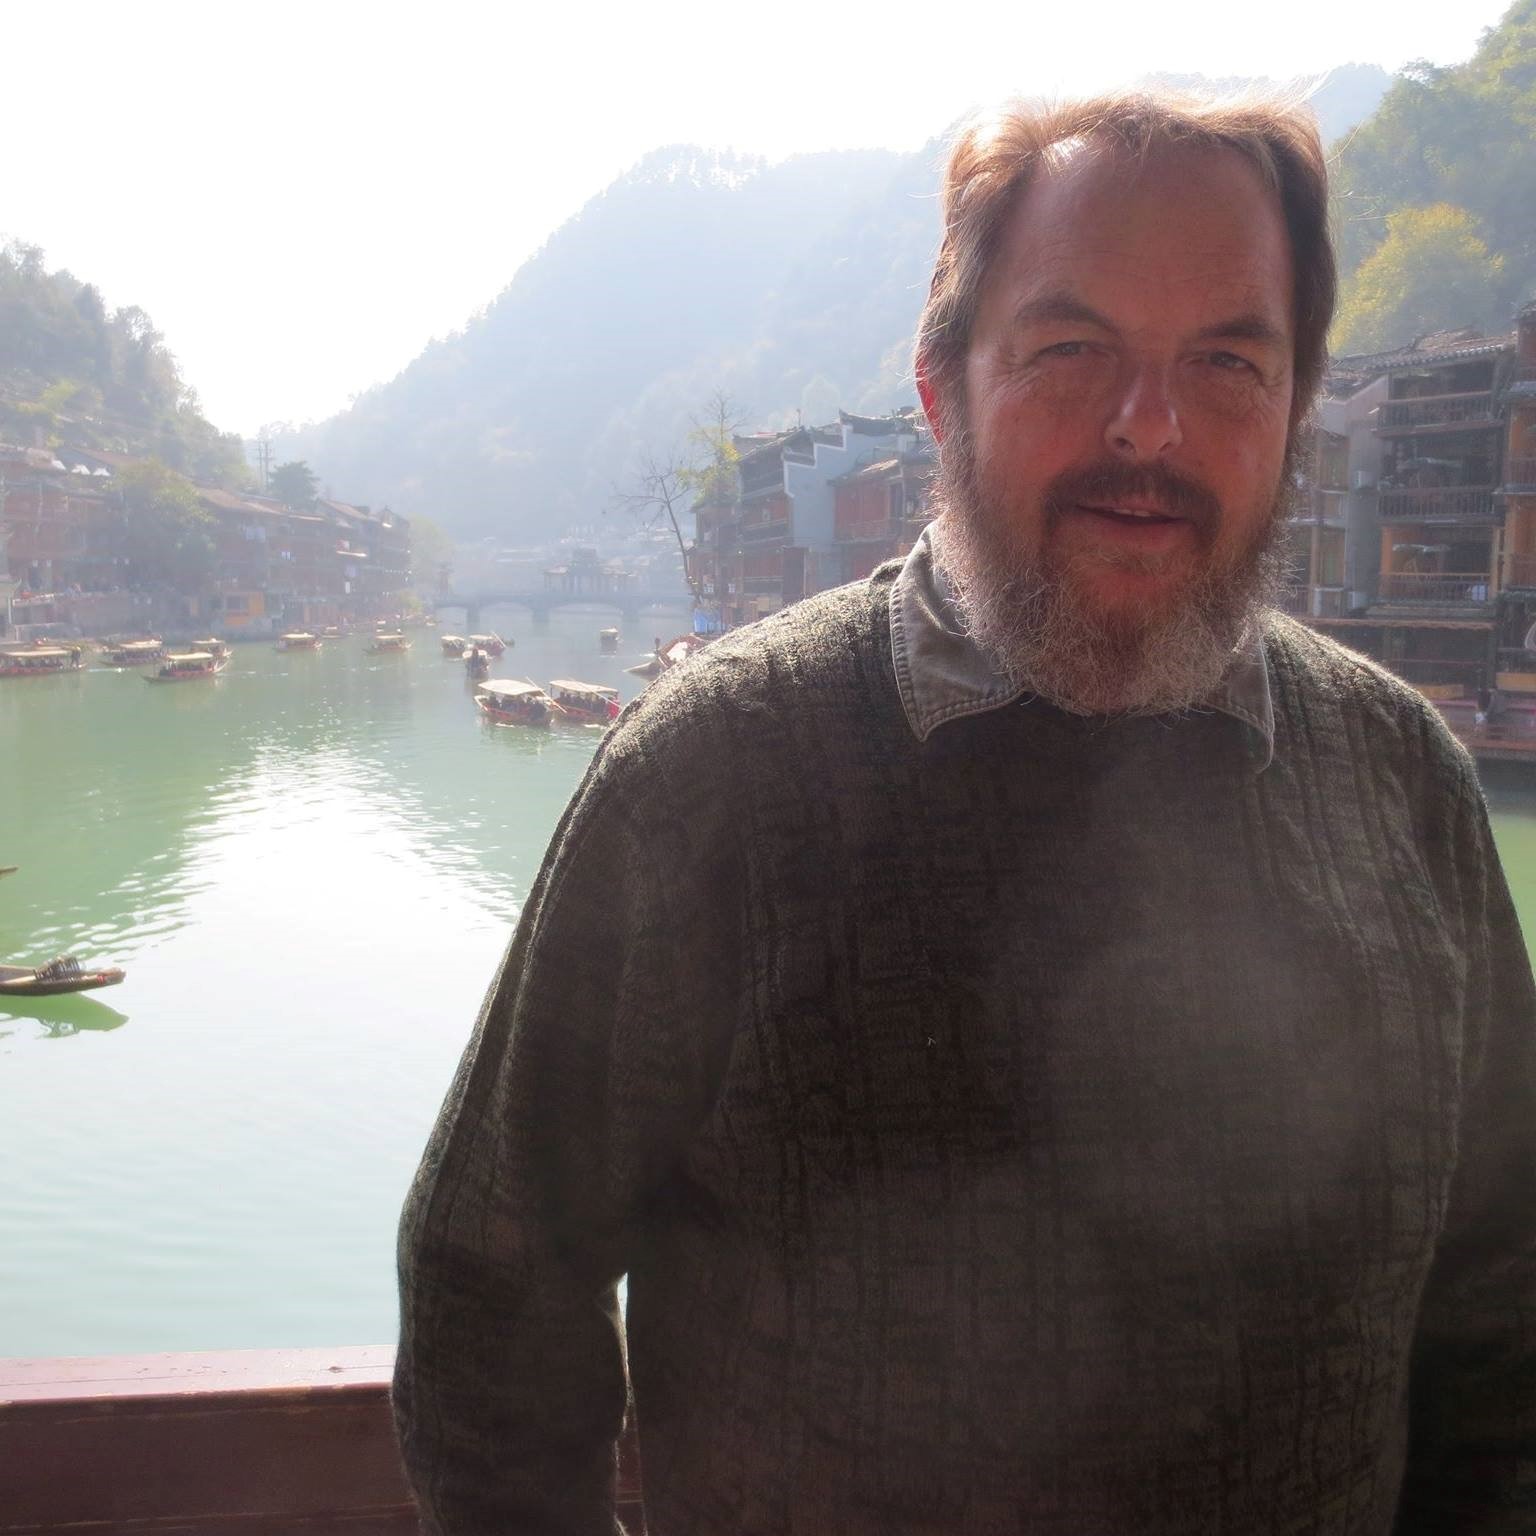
<point>40,660</point>
<point>453,646</point>
<point>492,645</point>
<point>333,632</point>
<point>667,656</point>
<point>215,648</point>
<point>298,640</point>
<point>585,703</point>
<point>388,645</point>
<point>476,663</point>
<point>133,653</point>
<point>509,702</point>
<point>65,974</point>
<point>8,869</point>
<point>187,666</point>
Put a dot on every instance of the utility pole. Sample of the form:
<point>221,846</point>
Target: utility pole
<point>264,458</point>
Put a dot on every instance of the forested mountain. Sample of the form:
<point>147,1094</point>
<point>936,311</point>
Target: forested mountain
<point>1436,195</point>
<point>72,373</point>
<point>794,288</point>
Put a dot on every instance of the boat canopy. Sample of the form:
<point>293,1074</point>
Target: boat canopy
<point>298,634</point>
<point>185,658</point>
<point>510,688</point>
<point>565,685</point>
<point>53,651</point>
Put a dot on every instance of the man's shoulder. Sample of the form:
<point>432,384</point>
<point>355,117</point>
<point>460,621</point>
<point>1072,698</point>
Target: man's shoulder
<point>1318,678</point>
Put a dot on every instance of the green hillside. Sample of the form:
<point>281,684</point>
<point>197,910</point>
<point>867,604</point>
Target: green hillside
<point>1436,196</point>
<point>71,373</point>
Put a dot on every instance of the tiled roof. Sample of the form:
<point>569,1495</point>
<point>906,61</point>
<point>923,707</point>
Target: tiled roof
<point>1428,351</point>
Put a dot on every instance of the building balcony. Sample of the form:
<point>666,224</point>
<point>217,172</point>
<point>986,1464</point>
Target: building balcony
<point>1518,572</point>
<point>763,586</point>
<point>1438,413</point>
<point>1520,475</point>
<point>1314,602</point>
<point>1439,587</point>
<point>765,533</point>
<point>1447,504</point>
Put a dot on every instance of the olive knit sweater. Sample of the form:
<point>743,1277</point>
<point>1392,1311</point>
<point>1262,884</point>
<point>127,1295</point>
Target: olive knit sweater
<point>1057,1126</point>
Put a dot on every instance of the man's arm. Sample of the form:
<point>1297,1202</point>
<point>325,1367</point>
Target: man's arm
<point>588,1070</point>
<point>1472,1441</point>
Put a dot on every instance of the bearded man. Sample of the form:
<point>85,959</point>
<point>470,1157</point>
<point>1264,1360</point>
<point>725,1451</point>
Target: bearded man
<point>1045,1037</point>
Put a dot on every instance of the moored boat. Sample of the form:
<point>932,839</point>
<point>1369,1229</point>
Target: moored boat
<point>40,660</point>
<point>453,646</point>
<point>65,974</point>
<point>187,666</point>
<point>608,641</point>
<point>585,703</point>
<point>215,648</point>
<point>492,644</point>
<point>333,632</point>
<point>476,663</point>
<point>298,640</point>
<point>388,645</point>
<point>508,702</point>
<point>132,653</point>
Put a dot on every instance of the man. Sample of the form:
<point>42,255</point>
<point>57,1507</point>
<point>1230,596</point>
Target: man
<point>1045,1037</point>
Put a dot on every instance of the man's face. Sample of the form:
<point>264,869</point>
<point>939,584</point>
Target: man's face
<point>1127,403</point>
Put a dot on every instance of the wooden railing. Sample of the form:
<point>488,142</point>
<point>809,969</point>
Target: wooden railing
<point>762,533</point>
<point>1435,586</point>
<point>259,1442</point>
<point>1427,412</point>
<point>1520,472</point>
<point>1449,504</point>
<point>1519,571</point>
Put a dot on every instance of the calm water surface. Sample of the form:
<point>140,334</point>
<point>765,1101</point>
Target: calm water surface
<point>310,868</point>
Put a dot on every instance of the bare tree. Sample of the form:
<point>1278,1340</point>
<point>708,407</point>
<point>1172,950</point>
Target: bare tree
<point>705,468</point>
<point>659,490</point>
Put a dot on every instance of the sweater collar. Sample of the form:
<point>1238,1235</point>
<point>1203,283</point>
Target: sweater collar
<point>943,675</point>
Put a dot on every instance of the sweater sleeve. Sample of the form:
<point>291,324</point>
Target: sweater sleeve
<point>586,1074</point>
<point>1472,1435</point>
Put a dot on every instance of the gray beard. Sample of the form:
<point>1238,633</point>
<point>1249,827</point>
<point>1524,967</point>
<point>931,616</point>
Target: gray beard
<point>1035,618</point>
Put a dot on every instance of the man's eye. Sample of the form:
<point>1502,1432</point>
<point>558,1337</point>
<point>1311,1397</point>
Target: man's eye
<point>1064,349</point>
<point>1231,362</point>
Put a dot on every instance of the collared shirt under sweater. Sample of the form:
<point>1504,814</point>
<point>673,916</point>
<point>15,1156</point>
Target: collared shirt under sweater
<point>1008,1121</point>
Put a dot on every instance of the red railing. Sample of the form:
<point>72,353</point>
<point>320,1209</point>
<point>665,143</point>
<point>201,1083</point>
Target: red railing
<point>252,1441</point>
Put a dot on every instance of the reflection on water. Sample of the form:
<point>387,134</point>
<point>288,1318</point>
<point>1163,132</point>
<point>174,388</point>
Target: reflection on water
<point>309,868</point>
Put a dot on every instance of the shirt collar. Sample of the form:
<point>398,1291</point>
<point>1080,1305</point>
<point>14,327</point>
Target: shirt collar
<point>943,675</point>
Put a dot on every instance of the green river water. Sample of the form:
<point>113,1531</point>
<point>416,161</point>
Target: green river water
<point>309,868</point>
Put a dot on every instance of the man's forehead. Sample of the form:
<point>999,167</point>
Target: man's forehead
<point>1198,220</point>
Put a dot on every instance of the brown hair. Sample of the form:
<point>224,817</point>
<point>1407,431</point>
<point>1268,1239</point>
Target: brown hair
<point>992,162</point>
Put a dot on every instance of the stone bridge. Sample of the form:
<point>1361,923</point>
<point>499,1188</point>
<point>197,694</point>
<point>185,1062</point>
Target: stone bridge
<point>628,605</point>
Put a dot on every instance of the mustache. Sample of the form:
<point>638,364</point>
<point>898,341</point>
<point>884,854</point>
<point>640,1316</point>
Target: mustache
<point>1110,481</point>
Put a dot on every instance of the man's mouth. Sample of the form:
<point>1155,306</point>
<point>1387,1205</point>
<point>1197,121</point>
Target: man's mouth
<point>1131,515</point>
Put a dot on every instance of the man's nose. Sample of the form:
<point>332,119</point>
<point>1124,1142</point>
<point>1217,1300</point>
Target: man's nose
<point>1145,423</point>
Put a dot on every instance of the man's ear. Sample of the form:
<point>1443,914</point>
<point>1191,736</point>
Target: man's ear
<point>929,396</point>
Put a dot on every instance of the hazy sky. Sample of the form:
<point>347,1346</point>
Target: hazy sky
<point>301,195</point>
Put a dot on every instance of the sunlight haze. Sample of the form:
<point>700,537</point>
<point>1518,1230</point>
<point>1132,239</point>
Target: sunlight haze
<point>302,196</point>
